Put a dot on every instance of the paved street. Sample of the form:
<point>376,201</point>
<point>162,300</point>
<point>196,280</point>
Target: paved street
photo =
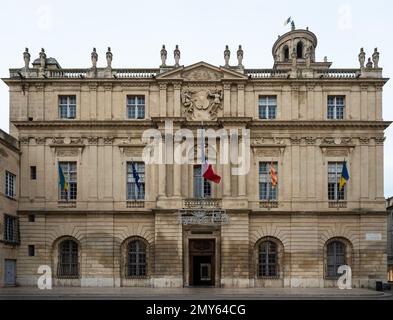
<point>28,293</point>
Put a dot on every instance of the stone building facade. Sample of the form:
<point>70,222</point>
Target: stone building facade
<point>304,119</point>
<point>389,207</point>
<point>9,225</point>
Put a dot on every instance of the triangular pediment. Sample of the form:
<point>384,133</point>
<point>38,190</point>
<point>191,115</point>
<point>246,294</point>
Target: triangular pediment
<point>202,71</point>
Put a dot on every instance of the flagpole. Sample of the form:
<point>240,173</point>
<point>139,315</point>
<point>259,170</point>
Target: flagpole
<point>202,161</point>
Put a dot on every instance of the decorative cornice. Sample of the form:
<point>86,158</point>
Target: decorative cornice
<point>364,140</point>
<point>380,140</point>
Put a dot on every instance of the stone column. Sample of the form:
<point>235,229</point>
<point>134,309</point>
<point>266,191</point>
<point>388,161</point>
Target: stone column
<point>162,175</point>
<point>108,101</point>
<point>363,102</point>
<point>227,179</point>
<point>227,99</point>
<point>176,180</point>
<point>241,180</point>
<point>176,100</point>
<point>163,87</point>
<point>240,100</point>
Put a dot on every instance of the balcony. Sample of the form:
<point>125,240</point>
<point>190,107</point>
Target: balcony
<point>205,203</point>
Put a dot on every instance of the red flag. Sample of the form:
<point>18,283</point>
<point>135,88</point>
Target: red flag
<point>209,174</point>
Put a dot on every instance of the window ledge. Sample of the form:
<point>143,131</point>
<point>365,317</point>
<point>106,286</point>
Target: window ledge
<point>67,204</point>
<point>137,277</point>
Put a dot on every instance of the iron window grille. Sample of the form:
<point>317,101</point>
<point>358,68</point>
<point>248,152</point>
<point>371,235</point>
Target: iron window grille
<point>336,107</point>
<point>67,107</point>
<point>136,259</point>
<point>334,176</point>
<point>268,260</point>
<point>135,107</point>
<point>68,264</point>
<point>70,176</point>
<point>266,190</point>
<point>10,184</point>
<point>133,193</point>
<point>336,257</point>
<point>207,186</point>
<point>11,229</point>
<point>267,107</point>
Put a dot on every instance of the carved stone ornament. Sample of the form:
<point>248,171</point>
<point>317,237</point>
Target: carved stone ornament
<point>40,140</point>
<point>92,140</point>
<point>67,152</point>
<point>201,74</point>
<point>108,140</point>
<point>203,104</point>
<point>58,140</point>
<point>24,140</point>
<point>310,140</point>
<point>364,140</point>
<point>76,141</point>
<point>295,140</point>
<point>346,140</point>
<point>328,140</point>
<point>380,140</point>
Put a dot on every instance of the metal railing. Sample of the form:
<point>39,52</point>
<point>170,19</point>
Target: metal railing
<point>202,203</point>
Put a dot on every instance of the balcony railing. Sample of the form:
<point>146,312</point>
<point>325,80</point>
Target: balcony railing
<point>205,203</point>
<point>339,73</point>
<point>266,73</point>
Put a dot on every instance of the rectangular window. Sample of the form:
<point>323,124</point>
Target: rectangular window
<point>33,173</point>
<point>336,106</point>
<point>10,184</point>
<point>266,191</point>
<point>70,177</point>
<point>67,107</point>
<point>11,230</point>
<point>31,218</point>
<point>334,176</point>
<point>135,107</point>
<point>267,107</point>
<point>206,192</point>
<point>31,250</point>
<point>133,192</point>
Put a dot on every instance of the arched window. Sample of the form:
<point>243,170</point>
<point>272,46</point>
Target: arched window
<point>299,50</point>
<point>136,259</point>
<point>68,264</point>
<point>268,259</point>
<point>335,257</point>
<point>286,53</point>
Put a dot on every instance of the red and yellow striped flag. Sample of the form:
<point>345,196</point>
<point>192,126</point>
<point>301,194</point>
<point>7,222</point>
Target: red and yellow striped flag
<point>273,176</point>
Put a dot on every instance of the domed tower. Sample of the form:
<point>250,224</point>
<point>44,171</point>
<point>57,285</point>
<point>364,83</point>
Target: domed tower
<point>296,47</point>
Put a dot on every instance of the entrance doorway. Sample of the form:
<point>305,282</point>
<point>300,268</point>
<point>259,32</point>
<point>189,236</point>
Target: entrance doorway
<point>10,272</point>
<point>202,262</point>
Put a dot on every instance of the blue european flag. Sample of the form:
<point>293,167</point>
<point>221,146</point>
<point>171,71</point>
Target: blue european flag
<point>136,176</point>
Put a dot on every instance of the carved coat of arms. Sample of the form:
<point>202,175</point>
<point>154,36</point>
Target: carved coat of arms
<point>203,104</point>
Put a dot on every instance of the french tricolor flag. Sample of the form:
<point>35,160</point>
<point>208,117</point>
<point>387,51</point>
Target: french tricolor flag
<point>207,169</point>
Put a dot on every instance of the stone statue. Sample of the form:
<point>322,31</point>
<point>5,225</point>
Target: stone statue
<point>215,103</point>
<point>227,55</point>
<point>43,58</point>
<point>307,55</point>
<point>26,58</point>
<point>94,58</point>
<point>188,103</point>
<point>376,58</point>
<point>362,57</point>
<point>369,64</point>
<point>325,59</point>
<point>294,57</point>
<point>109,58</point>
<point>176,54</point>
<point>240,53</point>
<point>164,55</point>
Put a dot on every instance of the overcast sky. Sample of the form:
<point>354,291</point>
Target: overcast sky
<point>68,30</point>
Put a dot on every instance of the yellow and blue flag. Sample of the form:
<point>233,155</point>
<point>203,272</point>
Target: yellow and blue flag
<point>63,183</point>
<point>344,176</point>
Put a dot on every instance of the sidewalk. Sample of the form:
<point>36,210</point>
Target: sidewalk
<point>68,293</point>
